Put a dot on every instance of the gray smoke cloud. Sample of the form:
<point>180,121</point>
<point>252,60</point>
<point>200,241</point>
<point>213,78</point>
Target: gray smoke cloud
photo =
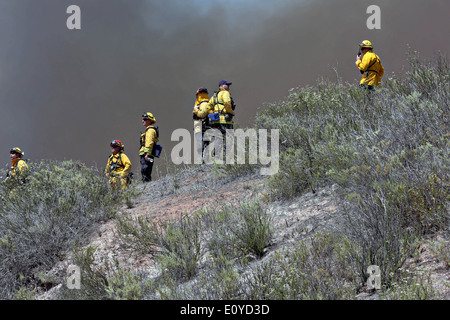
<point>65,94</point>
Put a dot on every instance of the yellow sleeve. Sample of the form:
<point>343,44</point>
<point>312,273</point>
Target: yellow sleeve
<point>127,163</point>
<point>226,98</point>
<point>366,61</point>
<point>211,103</point>
<point>150,138</point>
<point>22,165</point>
<point>381,71</point>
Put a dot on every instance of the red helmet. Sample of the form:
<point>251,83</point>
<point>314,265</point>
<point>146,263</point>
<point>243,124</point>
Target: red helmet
<point>116,143</point>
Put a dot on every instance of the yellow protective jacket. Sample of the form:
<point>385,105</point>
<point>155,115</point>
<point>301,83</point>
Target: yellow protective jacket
<point>19,166</point>
<point>371,63</point>
<point>222,103</point>
<point>118,165</point>
<point>203,109</point>
<point>148,141</point>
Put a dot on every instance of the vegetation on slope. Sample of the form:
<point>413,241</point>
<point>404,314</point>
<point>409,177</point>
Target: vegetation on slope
<point>46,217</point>
<point>386,154</point>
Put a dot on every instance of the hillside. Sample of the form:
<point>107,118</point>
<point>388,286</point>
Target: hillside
<point>302,218</point>
<point>363,184</point>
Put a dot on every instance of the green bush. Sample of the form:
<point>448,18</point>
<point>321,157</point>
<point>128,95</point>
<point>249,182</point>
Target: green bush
<point>318,269</point>
<point>43,218</point>
<point>410,285</point>
<point>104,282</point>
<point>295,176</point>
<point>180,245</point>
<point>174,244</point>
<point>238,232</point>
<point>139,234</point>
<point>252,231</point>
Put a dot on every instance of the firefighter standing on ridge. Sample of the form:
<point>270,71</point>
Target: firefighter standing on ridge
<point>201,121</point>
<point>118,167</point>
<point>148,144</point>
<point>369,65</point>
<point>223,105</point>
<point>19,168</point>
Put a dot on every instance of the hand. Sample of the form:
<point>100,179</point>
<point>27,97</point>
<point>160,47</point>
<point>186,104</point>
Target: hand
<point>147,158</point>
<point>358,58</point>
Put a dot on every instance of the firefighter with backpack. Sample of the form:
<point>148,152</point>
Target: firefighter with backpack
<point>223,106</point>
<point>201,121</point>
<point>222,118</point>
<point>118,167</point>
<point>369,65</point>
<point>148,149</point>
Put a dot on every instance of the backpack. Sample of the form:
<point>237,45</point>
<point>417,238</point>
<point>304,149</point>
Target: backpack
<point>216,115</point>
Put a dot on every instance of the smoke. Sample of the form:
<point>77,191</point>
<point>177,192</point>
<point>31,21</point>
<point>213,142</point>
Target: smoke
<point>65,94</point>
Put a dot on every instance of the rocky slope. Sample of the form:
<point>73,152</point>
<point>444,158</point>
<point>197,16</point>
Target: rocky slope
<point>191,190</point>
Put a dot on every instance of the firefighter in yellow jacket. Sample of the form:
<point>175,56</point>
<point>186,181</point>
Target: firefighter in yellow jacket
<point>201,121</point>
<point>19,168</point>
<point>148,146</point>
<point>369,65</point>
<point>222,118</point>
<point>222,104</point>
<point>118,167</point>
<point>201,105</point>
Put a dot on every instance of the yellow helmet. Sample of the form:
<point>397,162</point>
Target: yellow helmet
<point>17,150</point>
<point>148,116</point>
<point>366,44</point>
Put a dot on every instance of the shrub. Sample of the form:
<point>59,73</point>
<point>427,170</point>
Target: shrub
<point>41,219</point>
<point>174,244</point>
<point>411,285</point>
<point>104,282</point>
<point>295,176</point>
<point>180,245</point>
<point>252,231</point>
<point>316,269</point>
<point>238,232</point>
<point>139,234</point>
